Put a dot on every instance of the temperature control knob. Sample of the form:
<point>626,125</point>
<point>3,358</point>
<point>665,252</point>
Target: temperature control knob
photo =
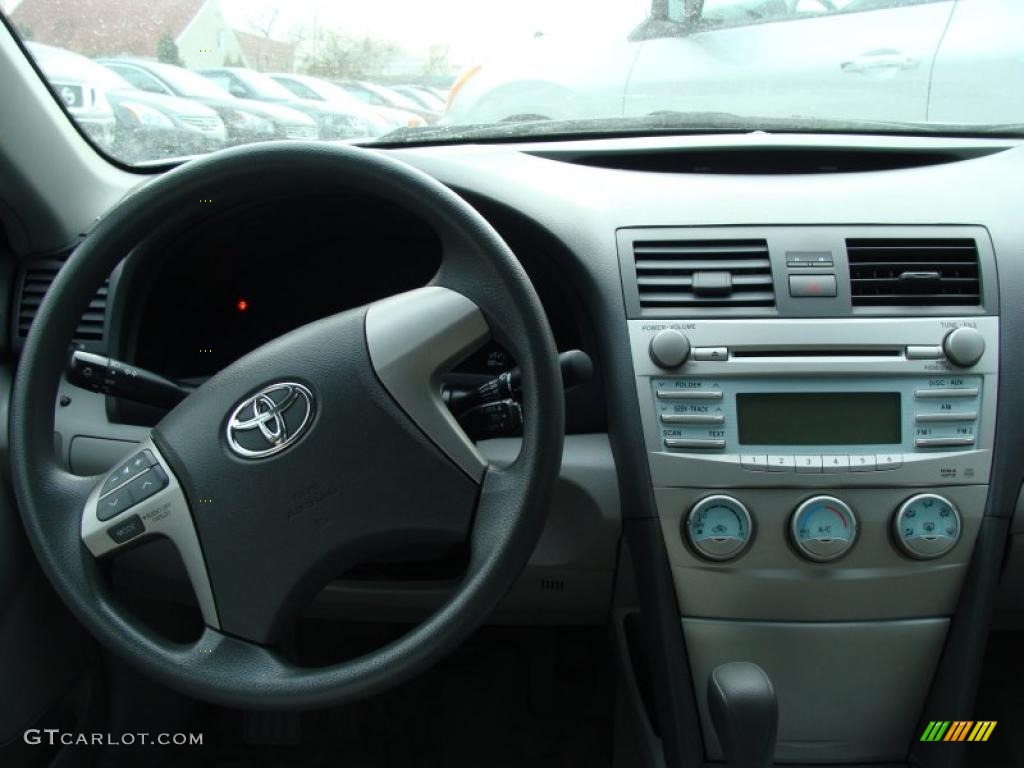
<point>718,527</point>
<point>823,528</point>
<point>927,526</point>
<point>669,349</point>
<point>964,346</point>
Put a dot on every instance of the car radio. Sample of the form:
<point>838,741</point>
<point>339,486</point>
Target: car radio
<point>817,402</point>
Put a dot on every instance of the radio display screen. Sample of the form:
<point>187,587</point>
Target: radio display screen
<point>819,418</point>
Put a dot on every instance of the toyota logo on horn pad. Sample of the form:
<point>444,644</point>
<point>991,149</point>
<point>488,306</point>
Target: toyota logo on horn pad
<point>271,420</point>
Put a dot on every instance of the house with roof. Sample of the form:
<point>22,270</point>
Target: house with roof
<point>197,28</point>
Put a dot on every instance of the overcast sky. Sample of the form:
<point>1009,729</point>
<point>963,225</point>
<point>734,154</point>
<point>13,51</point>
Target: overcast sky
<point>472,28</point>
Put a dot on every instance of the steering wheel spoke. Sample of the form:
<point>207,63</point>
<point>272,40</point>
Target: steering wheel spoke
<point>415,337</point>
<point>139,499</point>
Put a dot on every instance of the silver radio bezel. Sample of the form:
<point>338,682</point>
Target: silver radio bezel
<point>861,347</point>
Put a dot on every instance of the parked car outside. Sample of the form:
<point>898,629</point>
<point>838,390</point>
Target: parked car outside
<point>315,89</point>
<point>888,60</point>
<point>332,122</point>
<point>148,126</point>
<point>86,101</point>
<point>423,96</point>
<point>382,97</point>
<point>247,120</point>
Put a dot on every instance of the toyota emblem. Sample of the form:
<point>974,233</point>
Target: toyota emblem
<point>270,421</point>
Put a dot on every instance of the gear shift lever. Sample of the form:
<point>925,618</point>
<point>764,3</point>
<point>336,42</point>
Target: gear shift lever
<point>744,712</point>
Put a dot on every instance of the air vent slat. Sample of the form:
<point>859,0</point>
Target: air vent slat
<point>680,281</point>
<point>696,250</point>
<point>676,274</point>
<point>733,265</point>
<point>914,265</point>
<point>914,272</point>
<point>36,281</point>
<point>748,299</point>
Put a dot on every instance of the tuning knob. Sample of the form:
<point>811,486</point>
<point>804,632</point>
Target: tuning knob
<point>964,346</point>
<point>669,349</point>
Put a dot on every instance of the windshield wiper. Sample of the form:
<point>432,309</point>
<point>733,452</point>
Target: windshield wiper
<point>677,122</point>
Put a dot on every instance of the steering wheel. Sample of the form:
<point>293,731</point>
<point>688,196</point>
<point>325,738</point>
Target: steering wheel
<point>318,449</point>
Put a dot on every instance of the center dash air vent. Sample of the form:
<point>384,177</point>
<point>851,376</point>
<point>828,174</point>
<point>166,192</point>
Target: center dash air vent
<point>38,276</point>
<point>672,274</point>
<point>914,272</point>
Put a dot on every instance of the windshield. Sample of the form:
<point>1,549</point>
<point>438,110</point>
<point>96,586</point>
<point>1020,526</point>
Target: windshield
<point>462,70</point>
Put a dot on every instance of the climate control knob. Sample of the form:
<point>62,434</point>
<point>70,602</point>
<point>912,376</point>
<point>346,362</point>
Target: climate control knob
<point>823,528</point>
<point>926,526</point>
<point>718,527</point>
<point>964,346</point>
<point>669,349</point>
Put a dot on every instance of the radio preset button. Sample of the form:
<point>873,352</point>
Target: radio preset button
<point>781,463</point>
<point>943,394</point>
<point>885,461</point>
<point>835,463</point>
<point>703,419</point>
<point>689,394</point>
<point>945,417</point>
<point>808,463</point>
<point>862,462</point>
<point>693,442</point>
<point>754,461</point>
<point>711,354</point>
<point>924,352</point>
<point>944,442</point>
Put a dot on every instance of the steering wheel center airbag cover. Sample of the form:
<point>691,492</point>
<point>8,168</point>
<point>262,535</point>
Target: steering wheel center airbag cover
<point>362,479</point>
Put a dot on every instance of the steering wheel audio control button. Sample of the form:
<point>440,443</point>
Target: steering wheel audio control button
<point>127,471</point>
<point>127,529</point>
<point>146,484</point>
<point>113,504</point>
<point>158,507</point>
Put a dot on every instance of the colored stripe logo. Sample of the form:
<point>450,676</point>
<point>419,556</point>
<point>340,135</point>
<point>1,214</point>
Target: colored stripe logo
<point>958,730</point>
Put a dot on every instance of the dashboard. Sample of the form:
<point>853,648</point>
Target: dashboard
<point>802,422</point>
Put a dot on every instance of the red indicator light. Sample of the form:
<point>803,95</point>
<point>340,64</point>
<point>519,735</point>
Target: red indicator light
<point>242,305</point>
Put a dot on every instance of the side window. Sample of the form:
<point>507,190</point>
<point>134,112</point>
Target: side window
<point>226,82</point>
<point>721,14</point>
<point>301,90</point>
<point>141,80</point>
<point>729,13</point>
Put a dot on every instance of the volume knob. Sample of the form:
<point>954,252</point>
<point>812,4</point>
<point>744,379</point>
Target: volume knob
<point>964,346</point>
<point>669,349</point>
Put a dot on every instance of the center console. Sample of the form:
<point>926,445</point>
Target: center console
<point>818,408</point>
